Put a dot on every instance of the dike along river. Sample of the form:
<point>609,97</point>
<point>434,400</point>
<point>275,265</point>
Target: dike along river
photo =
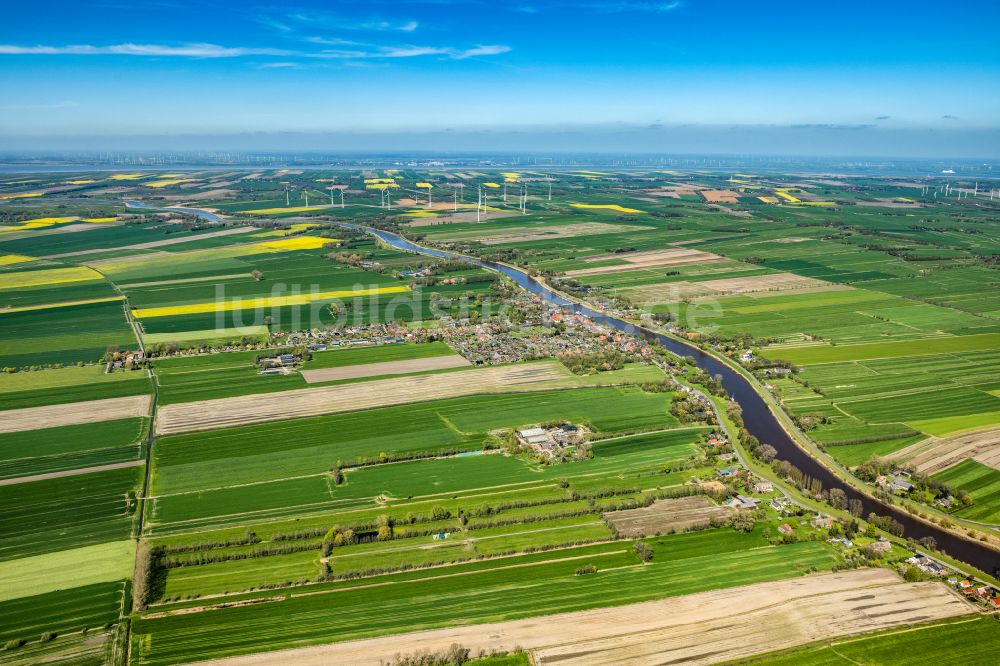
<point>758,418</point>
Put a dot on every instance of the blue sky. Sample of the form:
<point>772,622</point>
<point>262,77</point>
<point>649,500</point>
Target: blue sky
<point>910,70</point>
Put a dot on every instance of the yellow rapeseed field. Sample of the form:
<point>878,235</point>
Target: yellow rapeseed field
<point>294,243</point>
<point>614,207</point>
<point>262,302</point>
<point>492,184</point>
<point>381,186</point>
<point>24,279</point>
<point>11,259</point>
<point>22,195</point>
<point>38,223</point>
<point>769,200</point>
<point>378,181</point>
<point>99,220</point>
<point>292,229</point>
<point>818,203</point>
<point>85,181</point>
<point>425,186</point>
<point>169,182</point>
<point>127,176</point>
<point>786,196</point>
<point>420,213</point>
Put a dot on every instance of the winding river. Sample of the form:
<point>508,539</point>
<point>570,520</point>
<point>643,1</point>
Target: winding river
<point>758,418</point>
<point>203,214</point>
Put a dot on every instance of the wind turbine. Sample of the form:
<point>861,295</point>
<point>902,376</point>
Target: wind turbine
<point>287,200</point>
<point>305,193</point>
<point>524,198</point>
<point>550,189</point>
<point>505,190</point>
<point>331,194</point>
<point>479,203</point>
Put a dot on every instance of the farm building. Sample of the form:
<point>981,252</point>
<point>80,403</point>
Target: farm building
<point>743,502</point>
<point>763,487</point>
<point>549,441</point>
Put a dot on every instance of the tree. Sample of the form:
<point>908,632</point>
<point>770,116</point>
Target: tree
<point>743,522</point>
<point>256,275</point>
<point>855,507</point>
<point>912,575</point>
<point>838,498</point>
<point>643,551</point>
<point>766,452</point>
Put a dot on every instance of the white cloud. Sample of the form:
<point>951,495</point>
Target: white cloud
<point>488,50</point>
<point>185,51</point>
<point>216,51</point>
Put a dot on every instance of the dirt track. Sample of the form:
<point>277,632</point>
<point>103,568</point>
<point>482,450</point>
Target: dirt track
<point>703,628</point>
<point>74,413</point>
<point>71,472</point>
<point>387,368</point>
<point>244,410</point>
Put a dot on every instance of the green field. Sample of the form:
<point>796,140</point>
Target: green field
<point>964,641</point>
<point>982,483</point>
<point>422,604</point>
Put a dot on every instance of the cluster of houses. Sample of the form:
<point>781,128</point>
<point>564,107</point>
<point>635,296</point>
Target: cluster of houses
<point>125,360</point>
<point>976,593</point>
<point>491,343</point>
<point>360,335</point>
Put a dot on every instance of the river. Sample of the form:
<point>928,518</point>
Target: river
<point>203,214</point>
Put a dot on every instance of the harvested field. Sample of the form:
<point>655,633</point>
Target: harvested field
<point>935,454</point>
<point>773,282</point>
<point>664,516</point>
<point>244,410</point>
<point>719,196</point>
<point>650,259</point>
<point>74,413</point>
<point>527,234</point>
<point>667,292</point>
<point>703,628</point>
<point>387,368</point>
